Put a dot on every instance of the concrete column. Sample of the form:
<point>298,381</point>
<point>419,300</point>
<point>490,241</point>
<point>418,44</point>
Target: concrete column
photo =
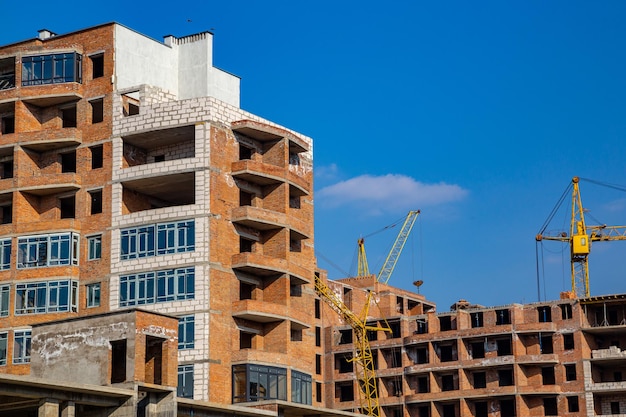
<point>49,408</point>
<point>68,409</point>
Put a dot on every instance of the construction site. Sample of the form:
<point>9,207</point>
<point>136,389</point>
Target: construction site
<point>157,259</point>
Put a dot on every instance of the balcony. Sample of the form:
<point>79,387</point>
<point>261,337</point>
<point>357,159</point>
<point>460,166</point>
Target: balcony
<point>258,264</point>
<point>259,311</point>
<point>545,359</point>
<point>258,218</point>
<point>257,172</point>
<point>48,184</point>
<point>49,140</point>
<point>265,133</point>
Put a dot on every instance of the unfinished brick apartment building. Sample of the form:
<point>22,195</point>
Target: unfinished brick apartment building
<point>135,193</point>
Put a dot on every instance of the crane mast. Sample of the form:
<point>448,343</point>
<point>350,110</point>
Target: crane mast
<point>363,360</point>
<point>396,249</point>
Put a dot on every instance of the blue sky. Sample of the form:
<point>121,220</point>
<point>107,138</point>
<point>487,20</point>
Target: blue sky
<point>477,113</point>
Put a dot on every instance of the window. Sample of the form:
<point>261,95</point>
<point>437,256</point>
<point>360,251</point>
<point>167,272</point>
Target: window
<point>47,250</point>
<point>447,383</point>
<point>68,162</point>
<point>97,110</point>
<point>318,336</point>
<point>547,375</point>
<point>185,381</point>
<point>94,244</point>
<point>7,122</point>
<point>5,254</point>
<point>3,348</point>
<point>549,407</point>
<point>4,300</point>
<point>545,344</point>
<point>21,346</point>
<point>258,383</point>
<point>245,245</point>
<point>96,156</point>
<point>480,379</point>
<point>318,364</point>
<point>477,319</point>
<point>568,341</point>
<point>93,295</point>
<point>186,332</point>
<point>505,377</point>
<point>301,388</point>
<point>46,297</point>
<point>159,158</point>
<point>246,339</point>
<point>245,198</point>
<point>615,407</point>
<point>7,169</point>
<point>157,287</point>
<point>346,336</point>
<point>118,361</point>
<point>245,152</point>
<point>318,313</point>
<point>481,409</point>
<point>68,116</point>
<point>318,391</point>
<point>296,335</point>
<point>570,372</point>
<point>545,314</point>
<point>97,66</point>
<point>566,311</point>
<point>422,326</point>
<point>477,350</point>
<point>445,323</point>
<point>159,239</point>
<point>422,384</point>
<point>96,201</point>
<point>68,207</point>
<point>572,404</point>
<point>343,363</point>
<point>7,73</point>
<point>503,317</point>
<point>6,217</point>
<point>51,69</point>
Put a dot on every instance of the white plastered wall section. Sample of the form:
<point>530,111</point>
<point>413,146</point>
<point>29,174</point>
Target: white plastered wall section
<point>182,66</point>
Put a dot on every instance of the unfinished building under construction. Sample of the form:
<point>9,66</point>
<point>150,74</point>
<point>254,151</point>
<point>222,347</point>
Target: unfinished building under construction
<point>157,259</point>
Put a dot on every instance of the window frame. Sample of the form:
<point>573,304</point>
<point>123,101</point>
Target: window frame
<point>21,346</point>
<point>185,381</point>
<point>5,299</point>
<point>301,388</point>
<point>42,249</point>
<point>94,294</point>
<point>157,287</point>
<point>157,239</point>
<point>186,332</point>
<point>5,254</point>
<point>4,348</point>
<point>64,67</point>
<point>94,247</point>
<point>41,297</point>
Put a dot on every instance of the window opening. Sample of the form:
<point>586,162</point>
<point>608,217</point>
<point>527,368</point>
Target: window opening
<point>245,339</point>
<point>445,323</point>
<point>96,201</point>
<point>547,374</point>
<point>480,379</point>
<point>245,245</point>
<point>296,335</point>
<point>345,336</point>
<point>504,347</point>
<point>422,385</point>
<point>572,404</point>
<point>477,319</point>
<point>68,162</point>
<point>246,290</point>
<point>318,336</point>
<point>7,123</point>
<point>7,169</point>
<point>68,207</point>
<point>159,158</point>
<point>130,103</point>
<point>7,213</point>
<point>245,198</point>
<point>97,66</point>
<point>118,361</point>
<point>68,116</point>
<point>570,372</point>
<point>507,407</point>
<point>93,295</point>
<point>568,341</point>
<point>318,391</point>
<point>615,407</point>
<point>505,377</point>
<point>447,382</point>
<point>318,364</point>
<point>422,326</point>
<point>449,410</point>
<point>545,344</point>
<point>318,311</point>
<point>545,314</point>
<point>7,73</point>
<point>4,300</point>
<point>154,360</point>
<point>503,317</point>
<point>244,152</point>
<point>481,409</point>
<point>301,388</point>
<point>477,350</point>
<point>97,111</point>
<point>566,311</point>
<point>96,156</point>
<point>549,407</point>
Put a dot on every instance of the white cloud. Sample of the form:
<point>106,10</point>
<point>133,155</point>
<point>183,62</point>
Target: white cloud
<point>326,171</point>
<point>391,191</point>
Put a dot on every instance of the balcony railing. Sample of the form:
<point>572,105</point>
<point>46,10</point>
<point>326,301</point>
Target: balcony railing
<point>7,81</point>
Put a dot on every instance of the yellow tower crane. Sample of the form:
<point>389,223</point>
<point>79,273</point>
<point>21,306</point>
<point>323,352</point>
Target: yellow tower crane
<point>579,240</point>
<point>366,374</point>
